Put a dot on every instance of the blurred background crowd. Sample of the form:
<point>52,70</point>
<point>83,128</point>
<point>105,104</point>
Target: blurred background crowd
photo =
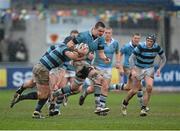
<point>27,27</point>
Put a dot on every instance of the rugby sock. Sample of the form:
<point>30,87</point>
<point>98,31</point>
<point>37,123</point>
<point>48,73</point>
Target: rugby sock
<point>140,97</point>
<point>58,103</point>
<point>125,103</point>
<point>84,87</point>
<point>31,96</point>
<point>59,99</point>
<point>66,89</point>
<point>97,92</point>
<point>103,100</point>
<point>20,90</point>
<point>84,94</point>
<point>40,104</point>
<point>121,86</point>
<point>97,100</point>
<point>112,87</point>
<point>116,87</point>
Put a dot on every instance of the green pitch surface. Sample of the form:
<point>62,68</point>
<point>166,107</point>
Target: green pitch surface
<point>164,114</point>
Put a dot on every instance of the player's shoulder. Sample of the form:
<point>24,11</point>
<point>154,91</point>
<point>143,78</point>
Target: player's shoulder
<point>127,45</point>
<point>84,33</point>
<point>115,41</point>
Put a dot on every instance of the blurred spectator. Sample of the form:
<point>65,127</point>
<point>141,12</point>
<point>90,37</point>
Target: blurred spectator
<point>1,59</point>
<point>174,57</point>
<point>17,51</point>
<point>1,44</point>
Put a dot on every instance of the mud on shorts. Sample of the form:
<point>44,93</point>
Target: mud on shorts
<point>40,74</point>
<point>106,72</point>
<point>143,72</point>
<point>70,73</point>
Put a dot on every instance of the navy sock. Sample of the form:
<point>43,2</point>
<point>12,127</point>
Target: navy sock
<point>40,104</point>
<point>30,96</point>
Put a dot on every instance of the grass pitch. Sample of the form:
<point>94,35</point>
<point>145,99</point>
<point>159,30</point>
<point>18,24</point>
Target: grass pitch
<point>164,114</point>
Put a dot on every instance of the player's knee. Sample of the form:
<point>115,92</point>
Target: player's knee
<point>149,88</point>
<point>42,96</point>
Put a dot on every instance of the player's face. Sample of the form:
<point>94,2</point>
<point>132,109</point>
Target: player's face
<point>70,45</point>
<point>136,39</point>
<point>99,31</point>
<point>108,34</point>
<point>149,43</point>
<point>83,49</point>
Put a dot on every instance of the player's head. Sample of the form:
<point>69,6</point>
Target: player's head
<point>98,29</point>
<point>108,33</point>
<point>82,48</point>
<point>135,38</point>
<point>74,33</point>
<point>150,40</point>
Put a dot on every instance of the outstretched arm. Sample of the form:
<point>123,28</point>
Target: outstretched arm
<point>74,55</point>
<point>161,64</point>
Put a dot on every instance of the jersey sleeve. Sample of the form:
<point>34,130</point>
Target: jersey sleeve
<point>123,49</point>
<point>161,51</point>
<point>101,42</point>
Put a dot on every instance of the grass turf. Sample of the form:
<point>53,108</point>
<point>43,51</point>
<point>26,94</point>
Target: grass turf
<point>164,114</point>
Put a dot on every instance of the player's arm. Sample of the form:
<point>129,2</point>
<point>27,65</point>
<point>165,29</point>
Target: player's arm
<point>121,70</point>
<point>161,63</point>
<point>103,56</point>
<point>73,55</point>
<point>118,62</point>
<point>117,56</point>
<point>132,60</point>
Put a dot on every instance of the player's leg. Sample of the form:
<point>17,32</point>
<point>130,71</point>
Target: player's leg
<point>28,96</point>
<point>68,89</point>
<point>105,88</point>
<point>135,88</point>
<point>149,79</point>
<point>87,89</point>
<point>27,84</point>
<point>97,83</point>
<point>41,76</point>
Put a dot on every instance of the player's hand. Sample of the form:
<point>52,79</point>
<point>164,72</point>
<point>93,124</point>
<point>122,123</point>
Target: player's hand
<point>107,60</point>
<point>158,73</point>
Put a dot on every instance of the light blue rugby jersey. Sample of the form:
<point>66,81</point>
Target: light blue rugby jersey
<point>54,56</point>
<point>127,50</point>
<point>86,37</point>
<point>145,56</point>
<point>109,50</point>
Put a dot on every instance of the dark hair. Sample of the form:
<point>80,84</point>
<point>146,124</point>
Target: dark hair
<point>74,31</point>
<point>108,28</point>
<point>99,24</point>
<point>152,37</point>
<point>67,39</point>
<point>136,34</point>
